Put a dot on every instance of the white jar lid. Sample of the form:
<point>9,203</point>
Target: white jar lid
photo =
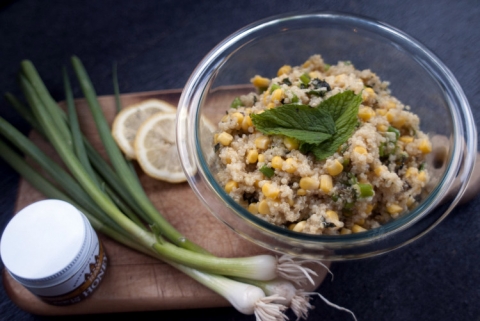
<point>43,240</point>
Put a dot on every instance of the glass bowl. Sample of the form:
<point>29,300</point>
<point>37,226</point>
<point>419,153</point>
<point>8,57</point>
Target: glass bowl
<point>417,78</point>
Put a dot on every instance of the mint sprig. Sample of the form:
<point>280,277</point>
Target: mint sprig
<point>307,124</point>
<point>320,130</point>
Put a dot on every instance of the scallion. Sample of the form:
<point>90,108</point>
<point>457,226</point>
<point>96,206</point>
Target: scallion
<point>364,190</point>
<point>274,87</point>
<point>111,199</point>
<point>236,103</point>
<point>395,131</point>
<point>305,79</point>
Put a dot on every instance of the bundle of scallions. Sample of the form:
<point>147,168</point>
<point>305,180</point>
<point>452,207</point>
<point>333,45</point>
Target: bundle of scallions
<point>112,198</point>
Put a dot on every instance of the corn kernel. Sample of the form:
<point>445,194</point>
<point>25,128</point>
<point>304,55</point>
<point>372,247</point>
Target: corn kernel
<point>290,202</point>
<point>360,150</point>
<point>326,183</point>
<point>411,171</point>
<point>400,121</point>
<point>422,176</point>
<point>270,190</point>
<point>215,138</point>
<point>394,209</point>
<point>285,69</point>
<point>300,226</point>
<point>314,74</point>
<point>390,105</point>
<point>263,207</point>
<point>368,93</point>
<point>290,143</point>
<point>379,170</point>
<point>225,118</point>
<point>290,165</point>
<point>253,208</point>
<point>406,139</point>
<point>425,146</point>
<point>261,158</point>
<point>247,123</point>
<point>357,229</point>
<point>360,221</point>
<point>340,80</point>
<point>260,82</point>
<point>291,226</point>
<point>396,118</point>
<point>345,231</point>
<point>335,168</point>
<point>277,94</point>
<point>381,112</point>
<point>365,113</point>
<point>270,105</point>
<point>306,64</point>
<point>230,186</point>
<point>369,209</point>
<point>301,192</point>
<point>332,215</point>
<point>382,128</point>
<point>239,118</point>
<point>252,156</point>
<point>277,162</point>
<point>262,142</point>
<point>308,183</point>
<point>225,138</point>
<point>390,116</point>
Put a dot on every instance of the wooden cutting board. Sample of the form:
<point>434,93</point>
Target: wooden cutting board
<point>133,281</point>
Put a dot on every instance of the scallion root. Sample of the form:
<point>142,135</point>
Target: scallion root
<point>300,304</point>
<point>267,310</point>
<point>291,269</point>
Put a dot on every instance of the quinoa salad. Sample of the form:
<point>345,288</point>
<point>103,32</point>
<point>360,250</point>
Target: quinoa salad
<point>322,149</point>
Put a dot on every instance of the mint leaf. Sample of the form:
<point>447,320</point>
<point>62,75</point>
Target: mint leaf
<point>287,81</point>
<point>319,130</point>
<point>267,171</point>
<point>344,109</point>
<point>307,124</point>
<point>340,103</point>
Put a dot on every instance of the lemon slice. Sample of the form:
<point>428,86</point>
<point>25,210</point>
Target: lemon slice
<point>156,148</point>
<point>207,130</point>
<point>128,121</point>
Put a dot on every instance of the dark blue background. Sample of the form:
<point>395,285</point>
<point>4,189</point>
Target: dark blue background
<point>157,44</point>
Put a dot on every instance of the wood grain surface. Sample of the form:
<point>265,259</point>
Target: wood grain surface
<point>133,281</point>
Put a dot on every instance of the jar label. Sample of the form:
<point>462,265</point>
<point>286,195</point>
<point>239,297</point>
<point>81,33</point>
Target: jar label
<point>89,279</point>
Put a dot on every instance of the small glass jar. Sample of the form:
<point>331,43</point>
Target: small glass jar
<point>50,248</point>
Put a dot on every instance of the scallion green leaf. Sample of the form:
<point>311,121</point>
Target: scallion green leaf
<point>236,103</point>
<point>365,190</point>
<point>305,79</point>
<point>267,171</point>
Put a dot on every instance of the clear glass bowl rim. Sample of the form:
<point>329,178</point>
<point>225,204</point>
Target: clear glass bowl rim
<point>458,108</point>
